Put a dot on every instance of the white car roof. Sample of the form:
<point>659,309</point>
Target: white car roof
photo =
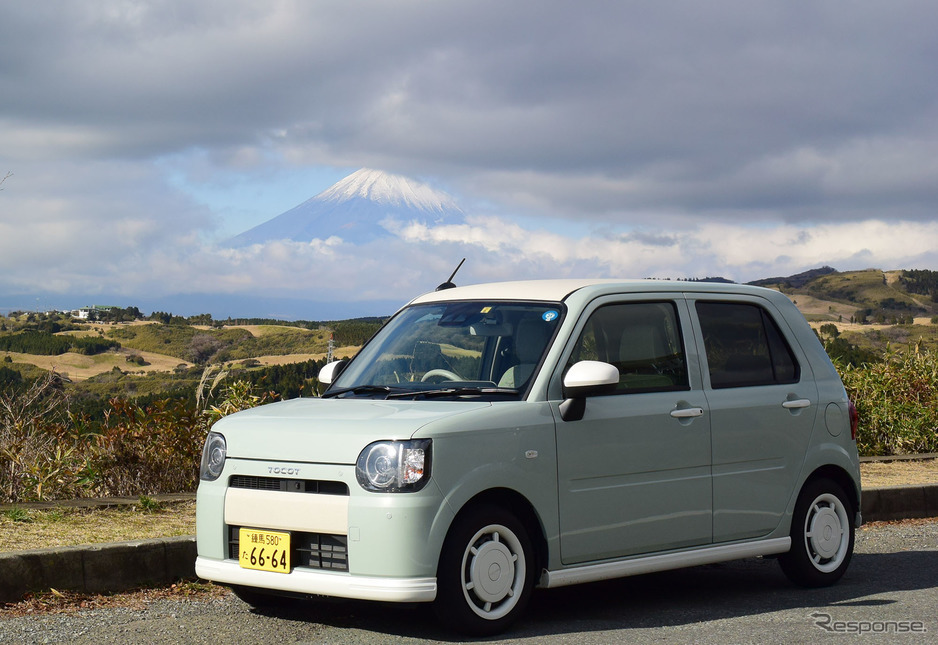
<point>559,290</point>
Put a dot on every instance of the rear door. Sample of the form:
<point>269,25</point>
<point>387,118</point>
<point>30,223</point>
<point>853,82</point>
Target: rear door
<point>763,401</point>
<point>634,473</point>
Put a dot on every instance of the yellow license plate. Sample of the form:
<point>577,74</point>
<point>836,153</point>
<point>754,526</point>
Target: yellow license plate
<point>264,550</point>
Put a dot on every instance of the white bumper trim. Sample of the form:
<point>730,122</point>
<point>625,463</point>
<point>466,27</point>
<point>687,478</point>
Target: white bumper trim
<point>322,583</point>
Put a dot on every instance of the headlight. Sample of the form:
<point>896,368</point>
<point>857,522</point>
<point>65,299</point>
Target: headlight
<point>394,466</point>
<point>213,457</point>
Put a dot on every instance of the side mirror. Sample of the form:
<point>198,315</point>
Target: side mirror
<point>330,371</point>
<point>583,379</point>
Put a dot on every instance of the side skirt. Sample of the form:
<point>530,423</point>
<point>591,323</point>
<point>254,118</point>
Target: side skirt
<point>650,564</point>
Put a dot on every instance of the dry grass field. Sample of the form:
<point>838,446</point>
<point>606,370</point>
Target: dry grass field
<point>809,305</point>
<point>79,367</point>
<point>337,353</point>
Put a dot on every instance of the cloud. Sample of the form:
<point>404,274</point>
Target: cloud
<point>597,137</point>
<point>711,249</point>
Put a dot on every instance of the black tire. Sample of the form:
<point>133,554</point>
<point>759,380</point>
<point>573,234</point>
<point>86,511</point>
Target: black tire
<point>486,572</point>
<point>822,535</point>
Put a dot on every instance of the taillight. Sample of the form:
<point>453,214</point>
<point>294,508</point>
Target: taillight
<point>854,419</point>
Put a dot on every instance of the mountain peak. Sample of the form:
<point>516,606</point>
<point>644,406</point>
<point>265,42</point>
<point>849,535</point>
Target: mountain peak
<point>388,189</point>
<point>353,210</point>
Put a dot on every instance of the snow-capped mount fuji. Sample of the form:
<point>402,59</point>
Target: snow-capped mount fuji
<point>353,210</point>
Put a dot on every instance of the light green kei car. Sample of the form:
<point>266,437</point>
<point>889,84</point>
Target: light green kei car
<point>494,438</point>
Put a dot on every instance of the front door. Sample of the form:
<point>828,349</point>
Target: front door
<point>634,473</point>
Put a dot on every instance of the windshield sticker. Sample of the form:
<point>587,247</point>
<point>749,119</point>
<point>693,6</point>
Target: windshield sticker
<point>485,310</point>
<point>549,316</point>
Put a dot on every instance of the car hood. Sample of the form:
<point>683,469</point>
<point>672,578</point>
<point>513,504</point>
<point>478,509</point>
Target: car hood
<point>329,431</point>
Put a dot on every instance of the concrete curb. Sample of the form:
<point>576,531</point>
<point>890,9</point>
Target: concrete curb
<point>98,568</point>
<point>899,503</point>
<point>119,566</point>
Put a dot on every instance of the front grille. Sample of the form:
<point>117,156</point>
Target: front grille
<point>316,486</point>
<point>312,550</point>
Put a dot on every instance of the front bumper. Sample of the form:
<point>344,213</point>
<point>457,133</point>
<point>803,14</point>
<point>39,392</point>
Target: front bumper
<point>321,583</point>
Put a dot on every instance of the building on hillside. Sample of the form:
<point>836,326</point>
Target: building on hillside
<point>92,312</point>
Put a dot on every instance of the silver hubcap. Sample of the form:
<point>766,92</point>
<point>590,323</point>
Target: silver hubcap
<point>493,572</point>
<point>827,532</point>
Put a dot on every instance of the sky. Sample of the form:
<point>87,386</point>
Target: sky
<point>743,139</point>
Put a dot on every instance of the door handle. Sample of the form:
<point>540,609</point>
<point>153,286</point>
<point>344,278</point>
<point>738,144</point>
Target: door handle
<point>687,413</point>
<point>796,404</point>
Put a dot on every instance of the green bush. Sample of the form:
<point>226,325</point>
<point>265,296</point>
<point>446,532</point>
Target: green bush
<point>897,401</point>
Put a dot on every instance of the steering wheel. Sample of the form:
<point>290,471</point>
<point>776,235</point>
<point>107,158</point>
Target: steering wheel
<point>446,374</point>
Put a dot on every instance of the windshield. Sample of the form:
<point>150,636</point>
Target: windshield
<point>453,348</point>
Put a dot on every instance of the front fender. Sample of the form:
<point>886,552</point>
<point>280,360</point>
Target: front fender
<point>510,447</point>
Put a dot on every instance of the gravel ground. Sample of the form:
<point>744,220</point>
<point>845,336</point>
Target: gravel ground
<point>168,615</point>
<point>219,617</point>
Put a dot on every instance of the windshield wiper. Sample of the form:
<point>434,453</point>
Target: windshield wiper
<point>358,389</point>
<point>455,391</point>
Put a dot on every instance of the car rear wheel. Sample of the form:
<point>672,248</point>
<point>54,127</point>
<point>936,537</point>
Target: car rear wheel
<point>822,535</point>
<point>486,571</point>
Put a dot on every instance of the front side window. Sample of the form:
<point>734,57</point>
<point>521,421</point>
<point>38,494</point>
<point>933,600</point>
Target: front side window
<point>453,345</point>
<point>642,340</point>
<point>744,346</point>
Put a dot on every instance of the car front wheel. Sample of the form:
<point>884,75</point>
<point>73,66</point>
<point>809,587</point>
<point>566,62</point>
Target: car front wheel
<point>486,571</point>
<point>822,535</point>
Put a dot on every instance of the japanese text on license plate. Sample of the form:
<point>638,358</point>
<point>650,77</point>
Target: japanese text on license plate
<point>264,550</point>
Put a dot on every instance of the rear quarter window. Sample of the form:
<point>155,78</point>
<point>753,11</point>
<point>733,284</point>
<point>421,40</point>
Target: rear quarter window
<point>744,346</point>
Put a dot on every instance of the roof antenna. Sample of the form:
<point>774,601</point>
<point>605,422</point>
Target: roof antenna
<point>449,283</point>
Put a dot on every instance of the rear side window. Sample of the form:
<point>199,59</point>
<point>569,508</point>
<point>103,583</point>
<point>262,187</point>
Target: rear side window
<point>744,346</point>
<point>642,339</point>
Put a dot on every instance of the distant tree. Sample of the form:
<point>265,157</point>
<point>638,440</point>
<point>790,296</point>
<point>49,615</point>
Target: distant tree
<point>161,317</point>
<point>922,282</point>
<point>848,353</point>
<point>201,319</point>
<point>830,329</point>
<point>118,314</point>
<point>202,347</point>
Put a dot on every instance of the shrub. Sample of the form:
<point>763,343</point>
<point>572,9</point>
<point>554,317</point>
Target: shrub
<point>897,400</point>
<point>156,447</point>
<point>42,453</point>
<point>140,449</point>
